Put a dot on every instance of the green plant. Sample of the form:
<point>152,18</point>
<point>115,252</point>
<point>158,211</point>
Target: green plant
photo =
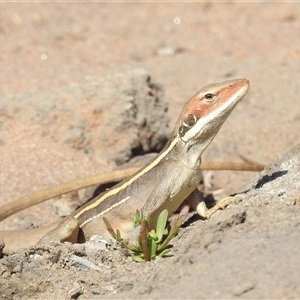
<point>150,243</point>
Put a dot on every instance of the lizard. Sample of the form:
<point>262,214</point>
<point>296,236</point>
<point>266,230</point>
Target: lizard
<point>165,182</point>
<point>114,176</point>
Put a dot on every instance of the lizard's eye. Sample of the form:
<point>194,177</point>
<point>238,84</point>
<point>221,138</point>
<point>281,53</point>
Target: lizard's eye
<point>209,97</point>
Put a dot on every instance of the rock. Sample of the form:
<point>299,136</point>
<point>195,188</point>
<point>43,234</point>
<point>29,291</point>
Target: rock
<point>84,264</point>
<point>278,184</point>
<point>117,117</point>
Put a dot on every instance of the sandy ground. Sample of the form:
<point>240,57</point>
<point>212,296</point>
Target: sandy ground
<point>184,46</point>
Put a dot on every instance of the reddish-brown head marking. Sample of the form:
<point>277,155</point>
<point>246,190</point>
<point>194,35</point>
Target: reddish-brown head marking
<point>206,101</point>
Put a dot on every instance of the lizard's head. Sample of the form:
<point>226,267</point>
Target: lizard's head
<point>207,110</point>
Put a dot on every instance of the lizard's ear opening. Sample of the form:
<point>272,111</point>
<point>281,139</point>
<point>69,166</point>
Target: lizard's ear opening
<point>187,124</point>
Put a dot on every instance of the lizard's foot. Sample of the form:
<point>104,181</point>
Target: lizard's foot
<point>206,213</point>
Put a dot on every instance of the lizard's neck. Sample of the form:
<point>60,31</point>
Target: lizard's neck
<point>188,154</point>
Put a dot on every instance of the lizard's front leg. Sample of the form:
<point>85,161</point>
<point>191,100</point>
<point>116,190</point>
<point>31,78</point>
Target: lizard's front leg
<point>206,213</point>
<point>196,201</point>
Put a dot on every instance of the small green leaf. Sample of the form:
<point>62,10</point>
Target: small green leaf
<point>152,248</point>
<point>118,238</point>
<point>152,235</point>
<point>147,218</point>
<point>161,223</point>
<point>109,228</point>
<point>136,257</point>
<point>137,217</point>
<point>149,244</point>
<point>164,252</point>
<point>175,226</point>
